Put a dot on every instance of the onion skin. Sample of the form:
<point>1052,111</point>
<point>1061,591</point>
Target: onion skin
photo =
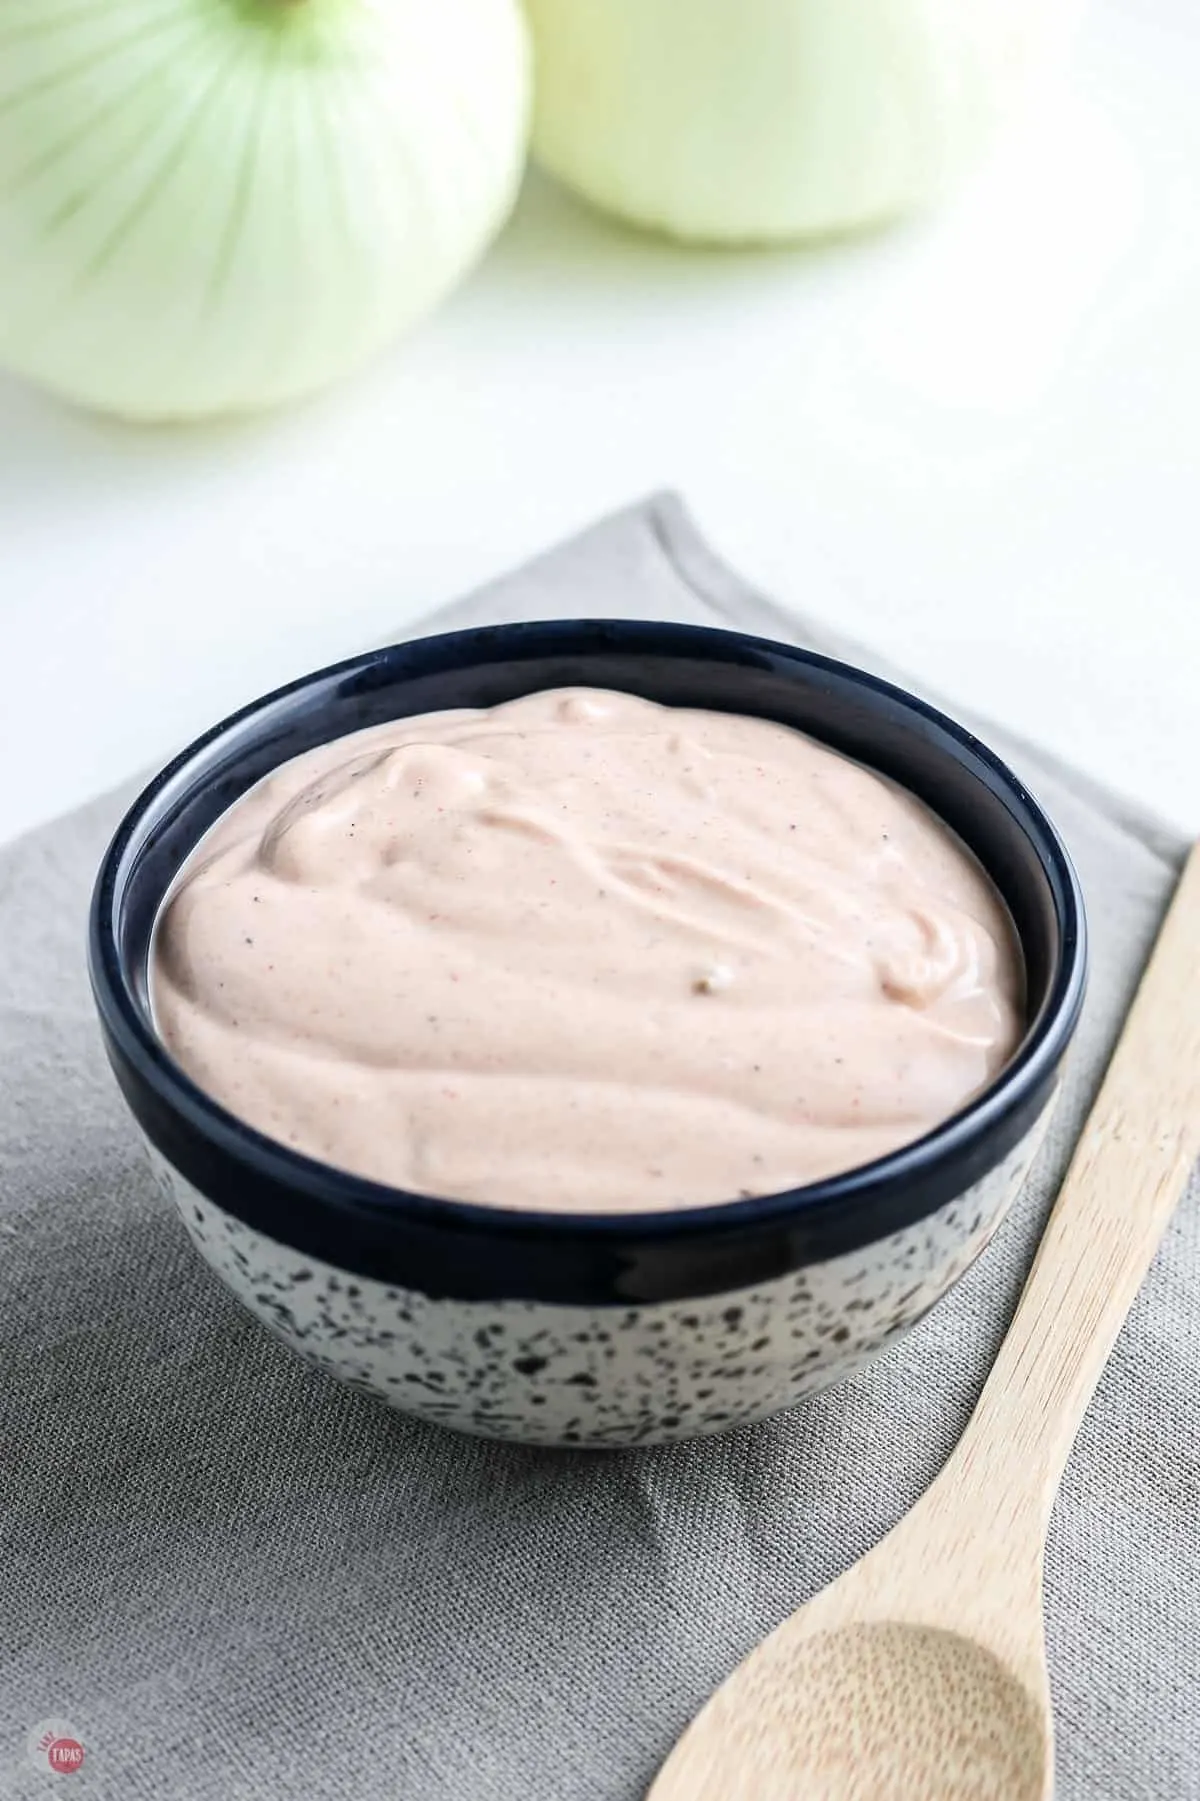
<point>214,206</point>
<point>744,121</point>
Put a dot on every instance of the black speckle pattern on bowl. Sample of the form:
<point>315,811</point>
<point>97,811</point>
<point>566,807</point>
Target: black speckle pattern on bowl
<point>606,1375</point>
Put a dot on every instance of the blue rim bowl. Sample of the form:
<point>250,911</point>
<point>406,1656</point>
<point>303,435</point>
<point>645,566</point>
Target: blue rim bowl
<point>467,1252</point>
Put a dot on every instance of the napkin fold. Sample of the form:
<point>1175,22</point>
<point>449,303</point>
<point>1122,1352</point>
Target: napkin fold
<point>232,1578</point>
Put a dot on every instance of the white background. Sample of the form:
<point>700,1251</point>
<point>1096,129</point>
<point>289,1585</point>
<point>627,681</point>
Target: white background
<point>975,442</point>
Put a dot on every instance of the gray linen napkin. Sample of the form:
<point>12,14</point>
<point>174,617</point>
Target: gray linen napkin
<point>236,1579</point>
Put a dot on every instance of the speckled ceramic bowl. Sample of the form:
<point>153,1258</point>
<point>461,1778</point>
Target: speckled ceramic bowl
<point>588,1329</point>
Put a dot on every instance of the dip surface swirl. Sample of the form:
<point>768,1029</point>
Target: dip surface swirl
<point>582,952</point>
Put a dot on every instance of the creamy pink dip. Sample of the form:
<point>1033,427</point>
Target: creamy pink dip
<point>580,951</point>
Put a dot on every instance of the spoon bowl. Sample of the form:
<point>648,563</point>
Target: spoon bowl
<point>880,1711</point>
<point>919,1675</point>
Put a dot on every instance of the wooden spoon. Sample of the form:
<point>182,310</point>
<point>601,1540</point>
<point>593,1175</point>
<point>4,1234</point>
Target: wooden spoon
<point>920,1674</point>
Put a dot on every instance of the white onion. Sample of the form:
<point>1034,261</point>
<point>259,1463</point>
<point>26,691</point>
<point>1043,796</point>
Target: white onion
<point>210,206</point>
<point>758,119</point>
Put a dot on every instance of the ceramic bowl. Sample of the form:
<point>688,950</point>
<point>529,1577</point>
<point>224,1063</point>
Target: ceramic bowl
<point>561,1328</point>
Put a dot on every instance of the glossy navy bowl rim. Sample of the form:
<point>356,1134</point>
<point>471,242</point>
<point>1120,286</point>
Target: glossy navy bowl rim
<point>1033,1064</point>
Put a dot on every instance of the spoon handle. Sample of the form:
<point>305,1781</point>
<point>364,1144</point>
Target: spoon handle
<point>1130,1167</point>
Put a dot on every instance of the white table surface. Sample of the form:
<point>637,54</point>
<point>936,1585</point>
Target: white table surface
<point>976,442</point>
